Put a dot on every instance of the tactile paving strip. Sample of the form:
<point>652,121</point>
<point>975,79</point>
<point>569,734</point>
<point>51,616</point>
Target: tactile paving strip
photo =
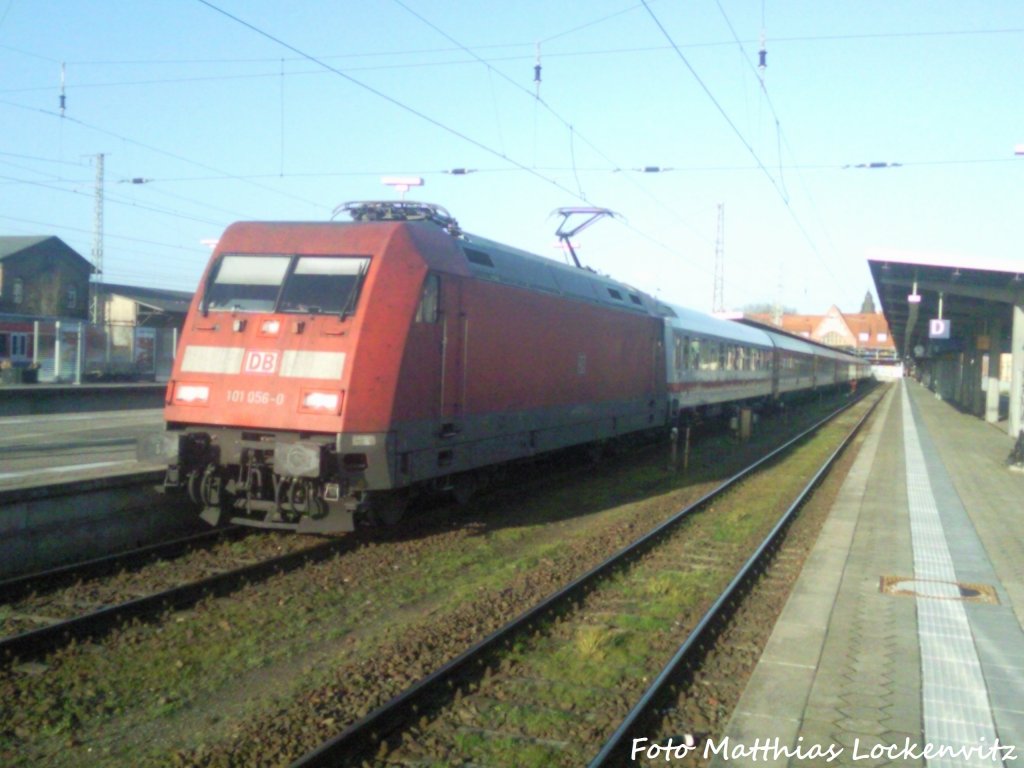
<point>954,696</point>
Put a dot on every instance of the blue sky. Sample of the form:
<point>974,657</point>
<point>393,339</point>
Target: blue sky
<point>225,123</point>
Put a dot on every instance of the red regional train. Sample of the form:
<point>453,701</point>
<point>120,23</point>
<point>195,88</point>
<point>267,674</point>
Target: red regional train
<point>327,372</point>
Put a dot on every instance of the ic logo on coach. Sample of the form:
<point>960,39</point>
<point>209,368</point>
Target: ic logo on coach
<point>258,361</point>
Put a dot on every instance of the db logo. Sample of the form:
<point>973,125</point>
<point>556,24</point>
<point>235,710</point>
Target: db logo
<point>260,362</point>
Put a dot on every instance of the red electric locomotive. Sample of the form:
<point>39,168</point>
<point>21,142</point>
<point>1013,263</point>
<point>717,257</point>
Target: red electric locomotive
<point>328,371</point>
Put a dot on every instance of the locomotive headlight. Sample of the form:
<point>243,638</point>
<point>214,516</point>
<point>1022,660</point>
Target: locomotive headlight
<point>192,394</point>
<point>270,327</point>
<point>320,402</point>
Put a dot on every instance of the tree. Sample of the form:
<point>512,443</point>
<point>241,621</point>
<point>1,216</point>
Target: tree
<point>765,308</point>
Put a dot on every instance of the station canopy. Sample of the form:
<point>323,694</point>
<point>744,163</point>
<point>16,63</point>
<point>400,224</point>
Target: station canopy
<point>974,294</point>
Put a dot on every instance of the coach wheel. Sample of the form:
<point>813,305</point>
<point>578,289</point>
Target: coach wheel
<point>388,509</point>
<point>464,488</point>
<point>592,454</point>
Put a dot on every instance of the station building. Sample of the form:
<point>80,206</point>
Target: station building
<point>57,325</point>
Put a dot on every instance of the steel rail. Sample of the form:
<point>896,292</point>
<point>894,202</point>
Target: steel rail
<point>38,642</point>
<point>719,610</point>
<point>19,587</point>
<point>364,736</point>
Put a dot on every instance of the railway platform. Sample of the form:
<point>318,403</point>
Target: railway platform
<point>902,641</point>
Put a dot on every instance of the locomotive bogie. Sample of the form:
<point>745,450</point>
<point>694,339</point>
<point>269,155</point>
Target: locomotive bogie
<point>283,481</point>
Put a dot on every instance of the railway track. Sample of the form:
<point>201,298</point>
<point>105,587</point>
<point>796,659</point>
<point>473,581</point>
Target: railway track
<point>19,587</point>
<point>497,692</point>
<point>40,612</point>
<point>268,672</point>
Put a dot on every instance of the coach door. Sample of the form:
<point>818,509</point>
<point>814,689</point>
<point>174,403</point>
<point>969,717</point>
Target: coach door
<point>454,337</point>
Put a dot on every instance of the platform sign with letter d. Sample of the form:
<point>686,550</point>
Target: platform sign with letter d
<point>938,329</point>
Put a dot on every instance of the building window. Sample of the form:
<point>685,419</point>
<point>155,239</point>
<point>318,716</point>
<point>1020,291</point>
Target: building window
<point>19,346</point>
<point>72,296</point>
<point>18,290</point>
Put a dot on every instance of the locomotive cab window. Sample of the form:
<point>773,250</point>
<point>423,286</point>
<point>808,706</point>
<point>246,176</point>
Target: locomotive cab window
<point>300,284</point>
<point>247,283</point>
<point>324,285</point>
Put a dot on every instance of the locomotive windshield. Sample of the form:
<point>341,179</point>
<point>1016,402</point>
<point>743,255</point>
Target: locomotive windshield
<point>280,283</point>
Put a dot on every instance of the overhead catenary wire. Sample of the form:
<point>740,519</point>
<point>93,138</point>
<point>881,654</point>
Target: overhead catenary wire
<point>411,110</point>
<point>115,199</point>
<point>166,153</point>
<point>781,139</point>
<point>681,186</point>
<point>126,238</point>
<point>907,34</point>
<point>390,99</point>
<point>753,153</point>
<point>567,124</point>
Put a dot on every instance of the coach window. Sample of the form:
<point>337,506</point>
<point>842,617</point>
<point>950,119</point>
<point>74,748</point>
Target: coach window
<point>708,355</point>
<point>679,348</point>
<point>427,312</point>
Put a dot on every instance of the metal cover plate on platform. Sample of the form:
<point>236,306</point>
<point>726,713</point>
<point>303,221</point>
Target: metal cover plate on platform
<point>940,590</point>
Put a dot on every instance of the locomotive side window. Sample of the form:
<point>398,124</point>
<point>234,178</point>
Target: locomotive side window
<point>479,257</point>
<point>426,312</point>
<point>324,284</point>
<point>247,283</point>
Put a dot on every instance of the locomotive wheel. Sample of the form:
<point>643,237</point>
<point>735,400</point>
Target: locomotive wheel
<point>388,509</point>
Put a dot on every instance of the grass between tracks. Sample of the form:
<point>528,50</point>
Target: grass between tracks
<point>595,663</point>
